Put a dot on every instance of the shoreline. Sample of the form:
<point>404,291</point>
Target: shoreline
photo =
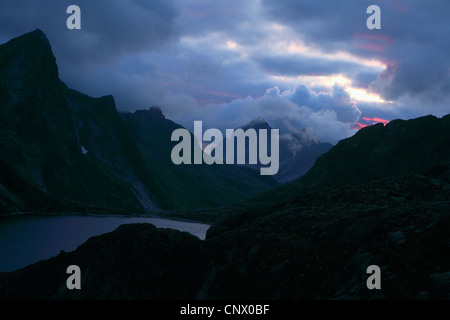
<point>195,228</point>
<point>99,215</point>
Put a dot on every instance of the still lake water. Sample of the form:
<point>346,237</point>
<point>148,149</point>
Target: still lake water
<point>26,239</point>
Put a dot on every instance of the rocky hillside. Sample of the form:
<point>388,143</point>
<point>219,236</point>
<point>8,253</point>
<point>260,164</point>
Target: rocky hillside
<point>80,153</point>
<point>376,152</point>
<point>319,245</point>
<point>316,245</point>
<point>133,262</point>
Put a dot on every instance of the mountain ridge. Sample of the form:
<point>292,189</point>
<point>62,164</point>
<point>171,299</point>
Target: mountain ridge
<point>419,144</point>
<point>79,149</point>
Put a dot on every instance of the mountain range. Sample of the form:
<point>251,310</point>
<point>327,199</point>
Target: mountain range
<point>65,151</point>
<point>315,243</point>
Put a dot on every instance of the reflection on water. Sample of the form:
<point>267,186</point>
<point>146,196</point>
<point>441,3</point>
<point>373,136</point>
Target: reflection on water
<point>27,239</point>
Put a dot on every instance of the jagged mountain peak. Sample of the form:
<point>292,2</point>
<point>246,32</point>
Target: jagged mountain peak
<point>28,55</point>
<point>257,124</point>
<point>32,38</point>
<point>153,112</point>
<point>37,34</point>
<point>156,111</point>
<point>79,150</point>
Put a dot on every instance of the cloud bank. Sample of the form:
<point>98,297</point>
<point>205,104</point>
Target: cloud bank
<point>299,64</point>
<point>325,116</point>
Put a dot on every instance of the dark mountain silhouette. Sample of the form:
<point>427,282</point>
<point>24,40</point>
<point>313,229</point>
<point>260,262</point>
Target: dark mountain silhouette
<point>186,186</point>
<point>376,152</point>
<point>134,262</point>
<point>297,151</point>
<point>316,244</point>
<point>81,153</point>
<point>40,136</point>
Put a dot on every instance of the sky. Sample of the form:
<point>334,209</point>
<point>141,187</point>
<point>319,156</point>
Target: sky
<point>301,65</point>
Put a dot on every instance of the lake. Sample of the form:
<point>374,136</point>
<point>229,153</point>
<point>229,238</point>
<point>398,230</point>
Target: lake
<point>26,239</point>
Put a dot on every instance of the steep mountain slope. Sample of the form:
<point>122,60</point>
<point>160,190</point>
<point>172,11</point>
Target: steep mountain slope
<point>298,154</point>
<point>18,195</point>
<point>80,151</point>
<point>382,151</point>
<point>181,186</point>
<point>376,152</point>
<point>39,137</point>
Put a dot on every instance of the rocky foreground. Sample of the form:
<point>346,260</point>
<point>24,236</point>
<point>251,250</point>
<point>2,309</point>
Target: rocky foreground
<point>315,246</point>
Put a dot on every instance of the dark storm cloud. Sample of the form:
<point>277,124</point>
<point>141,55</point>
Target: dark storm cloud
<point>413,41</point>
<point>230,61</point>
<point>422,76</point>
<point>237,18</point>
<point>300,65</point>
<point>110,28</point>
<point>330,24</point>
<point>106,55</point>
<point>364,78</point>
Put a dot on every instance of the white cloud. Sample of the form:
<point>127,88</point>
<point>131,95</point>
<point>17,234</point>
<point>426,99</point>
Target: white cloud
<point>325,116</point>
